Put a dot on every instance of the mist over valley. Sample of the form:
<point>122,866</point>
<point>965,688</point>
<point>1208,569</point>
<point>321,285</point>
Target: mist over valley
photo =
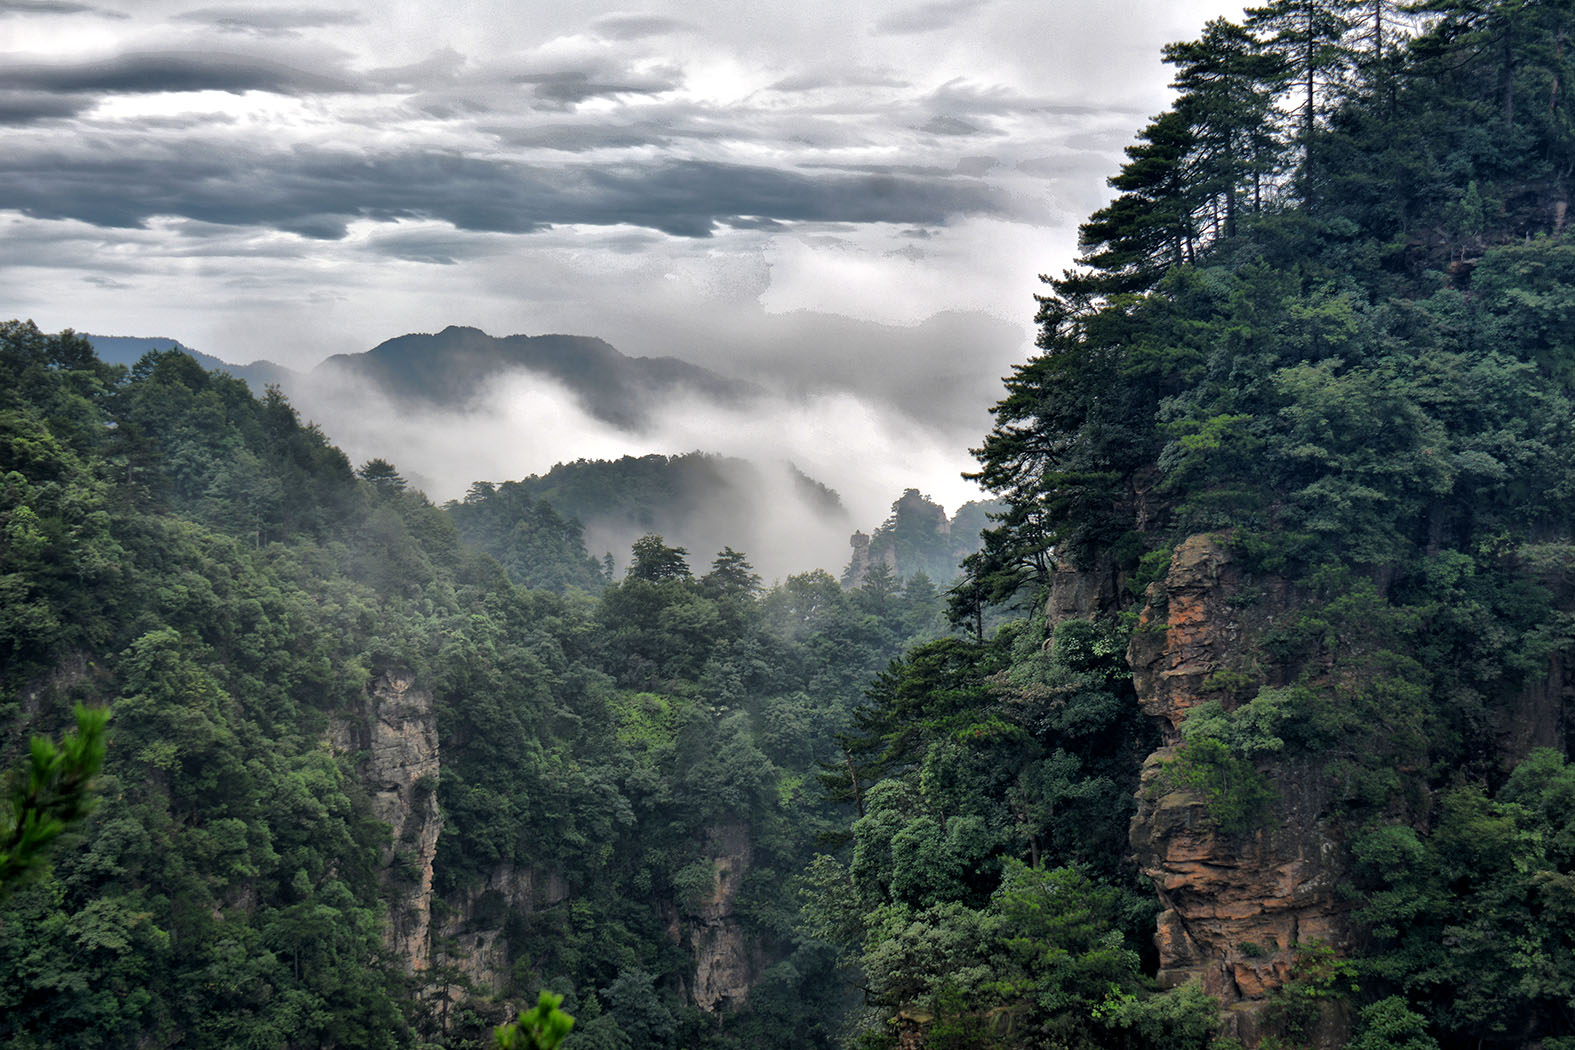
<point>458,407</point>
<point>857,525</point>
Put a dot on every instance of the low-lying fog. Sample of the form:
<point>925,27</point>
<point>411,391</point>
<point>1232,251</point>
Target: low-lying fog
<point>865,450</point>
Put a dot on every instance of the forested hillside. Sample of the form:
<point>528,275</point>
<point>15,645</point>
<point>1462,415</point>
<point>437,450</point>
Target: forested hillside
<point>1251,725</point>
<point>698,501</point>
<point>361,790</point>
<point>1298,444</point>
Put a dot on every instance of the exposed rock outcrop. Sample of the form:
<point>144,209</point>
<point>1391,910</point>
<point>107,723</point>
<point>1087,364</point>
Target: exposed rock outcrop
<point>473,934</point>
<point>1238,910</point>
<point>395,738</point>
<point>726,964</point>
<point>859,563</point>
<point>1089,593</point>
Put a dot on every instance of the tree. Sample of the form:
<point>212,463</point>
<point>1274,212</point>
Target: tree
<point>1227,86</point>
<point>542,1027</point>
<point>48,794</point>
<point>654,561</point>
<point>1390,1024</point>
<point>731,577</point>
<point>1310,36</point>
<point>1132,241</point>
<point>382,476</point>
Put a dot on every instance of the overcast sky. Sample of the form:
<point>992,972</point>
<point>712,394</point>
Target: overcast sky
<point>822,195</point>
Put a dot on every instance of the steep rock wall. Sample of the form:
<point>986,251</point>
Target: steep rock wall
<point>473,932</point>
<point>1091,593</point>
<point>726,963</point>
<point>394,736</point>
<point>1238,911</point>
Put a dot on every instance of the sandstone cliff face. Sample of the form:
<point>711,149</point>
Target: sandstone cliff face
<point>473,932</point>
<point>1084,594</point>
<point>726,964</point>
<point>1238,911</point>
<point>395,733</point>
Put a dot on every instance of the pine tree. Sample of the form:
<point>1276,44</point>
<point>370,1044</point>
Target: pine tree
<point>1227,85</point>
<point>1310,37</point>
<point>1133,240</point>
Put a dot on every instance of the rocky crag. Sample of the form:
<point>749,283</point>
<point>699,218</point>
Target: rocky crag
<point>472,938</point>
<point>1239,911</point>
<point>393,737</point>
<point>392,740</point>
<point>726,964</point>
<point>1246,914</point>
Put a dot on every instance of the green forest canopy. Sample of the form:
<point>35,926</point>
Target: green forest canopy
<point>1327,318</point>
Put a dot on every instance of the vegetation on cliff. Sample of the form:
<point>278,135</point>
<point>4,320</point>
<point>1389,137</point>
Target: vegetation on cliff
<point>1333,332</point>
<point>218,575</point>
<point>1302,424</point>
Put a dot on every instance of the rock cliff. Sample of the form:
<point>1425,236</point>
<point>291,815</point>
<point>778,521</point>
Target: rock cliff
<point>394,738</point>
<point>726,964</point>
<point>464,944</point>
<point>1238,911</point>
<point>473,933</point>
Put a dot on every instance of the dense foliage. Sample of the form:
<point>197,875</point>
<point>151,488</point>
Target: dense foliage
<point>216,574</point>
<point>1326,320</point>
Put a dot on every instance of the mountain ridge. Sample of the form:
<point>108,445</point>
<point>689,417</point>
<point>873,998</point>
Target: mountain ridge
<point>453,367</point>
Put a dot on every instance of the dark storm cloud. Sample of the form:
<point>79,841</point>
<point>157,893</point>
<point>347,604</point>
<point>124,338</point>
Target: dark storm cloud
<point>270,20</point>
<point>571,87</point>
<point>317,193</point>
<point>53,7</point>
<point>638,27</point>
<point>926,18</point>
<point>154,72</point>
<point>30,107</point>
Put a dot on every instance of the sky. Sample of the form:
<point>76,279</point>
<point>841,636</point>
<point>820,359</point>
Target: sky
<point>847,202</point>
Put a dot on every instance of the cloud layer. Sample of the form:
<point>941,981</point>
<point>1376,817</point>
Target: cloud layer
<point>839,199</point>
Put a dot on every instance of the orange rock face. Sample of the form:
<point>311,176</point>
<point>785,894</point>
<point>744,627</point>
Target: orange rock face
<point>1238,910</point>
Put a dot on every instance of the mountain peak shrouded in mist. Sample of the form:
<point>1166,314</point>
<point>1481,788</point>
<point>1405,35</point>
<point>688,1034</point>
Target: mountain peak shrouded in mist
<point>458,405</point>
<point>455,368</point>
<point>784,520</point>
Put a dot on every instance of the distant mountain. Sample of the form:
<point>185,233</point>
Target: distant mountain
<point>781,518</point>
<point>455,367</point>
<point>128,350</point>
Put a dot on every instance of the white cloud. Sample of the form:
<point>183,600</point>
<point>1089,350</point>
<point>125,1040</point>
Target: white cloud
<point>289,223</point>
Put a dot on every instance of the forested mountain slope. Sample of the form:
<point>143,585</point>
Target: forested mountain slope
<point>1277,756</point>
<point>697,500</point>
<point>128,350</point>
<point>361,790</point>
<point>1297,451</point>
